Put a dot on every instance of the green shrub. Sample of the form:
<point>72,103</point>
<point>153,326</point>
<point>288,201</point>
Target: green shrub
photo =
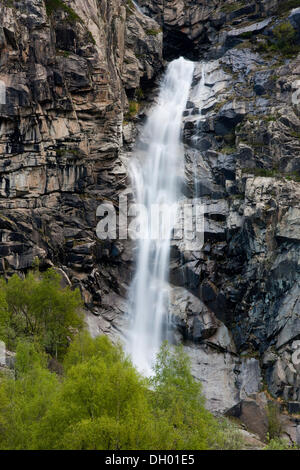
<point>133,110</point>
<point>274,423</point>
<point>39,309</point>
<point>25,401</point>
<point>102,403</point>
<point>229,436</point>
<point>231,7</point>
<point>285,34</point>
<point>153,32</point>
<point>264,172</point>
<point>279,444</point>
<point>58,5</point>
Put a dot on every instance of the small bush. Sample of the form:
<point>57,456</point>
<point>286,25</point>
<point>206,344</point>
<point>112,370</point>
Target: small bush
<point>101,402</point>
<point>153,32</point>
<point>231,7</point>
<point>264,172</point>
<point>285,37</point>
<point>58,5</point>
<point>133,110</point>
<point>274,423</point>
<point>229,437</point>
<point>38,309</point>
<point>285,34</point>
<point>279,444</point>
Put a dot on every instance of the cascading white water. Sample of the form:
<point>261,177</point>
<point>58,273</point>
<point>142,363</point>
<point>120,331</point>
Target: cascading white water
<point>155,171</point>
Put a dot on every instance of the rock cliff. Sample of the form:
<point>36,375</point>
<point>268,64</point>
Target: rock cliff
<point>70,70</point>
<point>79,78</point>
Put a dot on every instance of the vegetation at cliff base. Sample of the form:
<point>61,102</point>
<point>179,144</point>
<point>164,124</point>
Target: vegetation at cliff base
<point>66,390</point>
<point>102,402</point>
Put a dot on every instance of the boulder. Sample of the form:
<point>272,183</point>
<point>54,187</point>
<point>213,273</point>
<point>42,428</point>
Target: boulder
<point>252,412</point>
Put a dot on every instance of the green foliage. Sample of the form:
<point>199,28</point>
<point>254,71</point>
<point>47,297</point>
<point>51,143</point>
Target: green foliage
<point>294,176</point>
<point>153,32</point>
<point>231,7</point>
<point>285,36</point>
<point>39,309</point>
<point>264,172</point>
<point>24,402</point>
<point>91,38</point>
<point>229,150</point>
<point>28,357</point>
<point>274,423</point>
<point>177,400</point>
<point>279,444</point>
<point>103,403</point>
<point>228,436</point>
<point>133,110</point>
<point>287,5</point>
<point>139,94</point>
<point>58,5</point>
<point>283,42</point>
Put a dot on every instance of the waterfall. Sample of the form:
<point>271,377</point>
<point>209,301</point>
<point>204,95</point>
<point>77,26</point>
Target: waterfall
<point>139,9</point>
<point>155,170</point>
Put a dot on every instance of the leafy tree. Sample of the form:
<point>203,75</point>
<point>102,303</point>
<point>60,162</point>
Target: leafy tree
<point>285,36</point>
<point>23,402</point>
<point>178,396</point>
<point>102,402</point>
<point>38,308</point>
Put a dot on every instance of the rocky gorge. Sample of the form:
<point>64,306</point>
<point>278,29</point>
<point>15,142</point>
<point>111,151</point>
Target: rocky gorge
<point>80,77</point>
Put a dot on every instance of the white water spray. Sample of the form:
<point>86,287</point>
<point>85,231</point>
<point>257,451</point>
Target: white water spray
<point>155,174</point>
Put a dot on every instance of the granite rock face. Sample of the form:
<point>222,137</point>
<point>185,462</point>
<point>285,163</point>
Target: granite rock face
<point>79,82</point>
<point>69,74</point>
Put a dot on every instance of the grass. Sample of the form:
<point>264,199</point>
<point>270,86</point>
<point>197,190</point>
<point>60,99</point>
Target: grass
<point>229,150</point>
<point>139,94</point>
<point>153,32</point>
<point>63,53</point>
<point>273,173</point>
<point>264,172</point>
<point>229,8</point>
<point>270,118</point>
<point>58,5</point>
<point>294,176</point>
<point>133,110</point>
<point>279,444</point>
<point>295,134</point>
<point>274,423</point>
